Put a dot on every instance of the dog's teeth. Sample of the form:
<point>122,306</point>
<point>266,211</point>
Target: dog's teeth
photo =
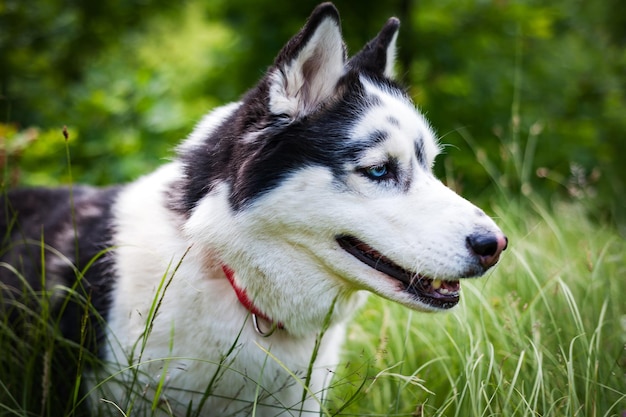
<point>436,284</point>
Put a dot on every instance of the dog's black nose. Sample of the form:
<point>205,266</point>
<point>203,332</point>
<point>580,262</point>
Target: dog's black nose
<point>488,247</point>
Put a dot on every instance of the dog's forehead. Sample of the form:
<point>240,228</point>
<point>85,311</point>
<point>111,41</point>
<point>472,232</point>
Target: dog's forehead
<point>393,120</point>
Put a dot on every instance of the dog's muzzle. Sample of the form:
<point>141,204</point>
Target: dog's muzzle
<point>437,293</point>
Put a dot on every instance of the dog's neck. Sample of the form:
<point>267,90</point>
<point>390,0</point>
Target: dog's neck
<point>243,298</point>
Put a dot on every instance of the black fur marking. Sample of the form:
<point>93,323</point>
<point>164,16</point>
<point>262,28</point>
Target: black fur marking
<point>322,139</point>
<point>378,136</point>
<point>407,179</point>
<point>283,146</point>
<point>393,121</point>
<point>30,216</point>
<point>419,153</point>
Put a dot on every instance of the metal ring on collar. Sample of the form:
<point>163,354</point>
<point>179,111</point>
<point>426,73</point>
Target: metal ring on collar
<point>255,322</point>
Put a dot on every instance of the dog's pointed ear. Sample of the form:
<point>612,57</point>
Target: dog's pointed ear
<point>307,69</point>
<point>379,55</point>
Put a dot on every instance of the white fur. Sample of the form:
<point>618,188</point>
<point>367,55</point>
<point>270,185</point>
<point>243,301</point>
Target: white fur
<point>391,57</point>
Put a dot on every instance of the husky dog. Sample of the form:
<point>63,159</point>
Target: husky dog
<point>221,283</point>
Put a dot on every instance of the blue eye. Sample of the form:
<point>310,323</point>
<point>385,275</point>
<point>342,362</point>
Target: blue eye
<point>377,172</point>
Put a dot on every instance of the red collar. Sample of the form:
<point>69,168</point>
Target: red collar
<point>243,298</point>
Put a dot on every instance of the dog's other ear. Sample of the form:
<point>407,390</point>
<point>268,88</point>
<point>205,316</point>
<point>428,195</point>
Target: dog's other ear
<point>307,69</point>
<point>379,55</point>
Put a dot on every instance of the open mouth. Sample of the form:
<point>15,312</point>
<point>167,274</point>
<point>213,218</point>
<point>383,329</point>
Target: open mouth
<point>442,294</point>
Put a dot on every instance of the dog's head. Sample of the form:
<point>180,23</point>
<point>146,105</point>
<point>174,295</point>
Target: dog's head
<point>319,183</point>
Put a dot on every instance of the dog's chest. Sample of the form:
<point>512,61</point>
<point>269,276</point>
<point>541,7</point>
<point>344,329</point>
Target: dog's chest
<point>222,356</point>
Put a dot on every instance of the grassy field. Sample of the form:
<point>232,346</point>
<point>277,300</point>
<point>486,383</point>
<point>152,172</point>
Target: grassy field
<point>542,335</point>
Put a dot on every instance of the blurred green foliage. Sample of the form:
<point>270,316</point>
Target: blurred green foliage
<point>529,95</point>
